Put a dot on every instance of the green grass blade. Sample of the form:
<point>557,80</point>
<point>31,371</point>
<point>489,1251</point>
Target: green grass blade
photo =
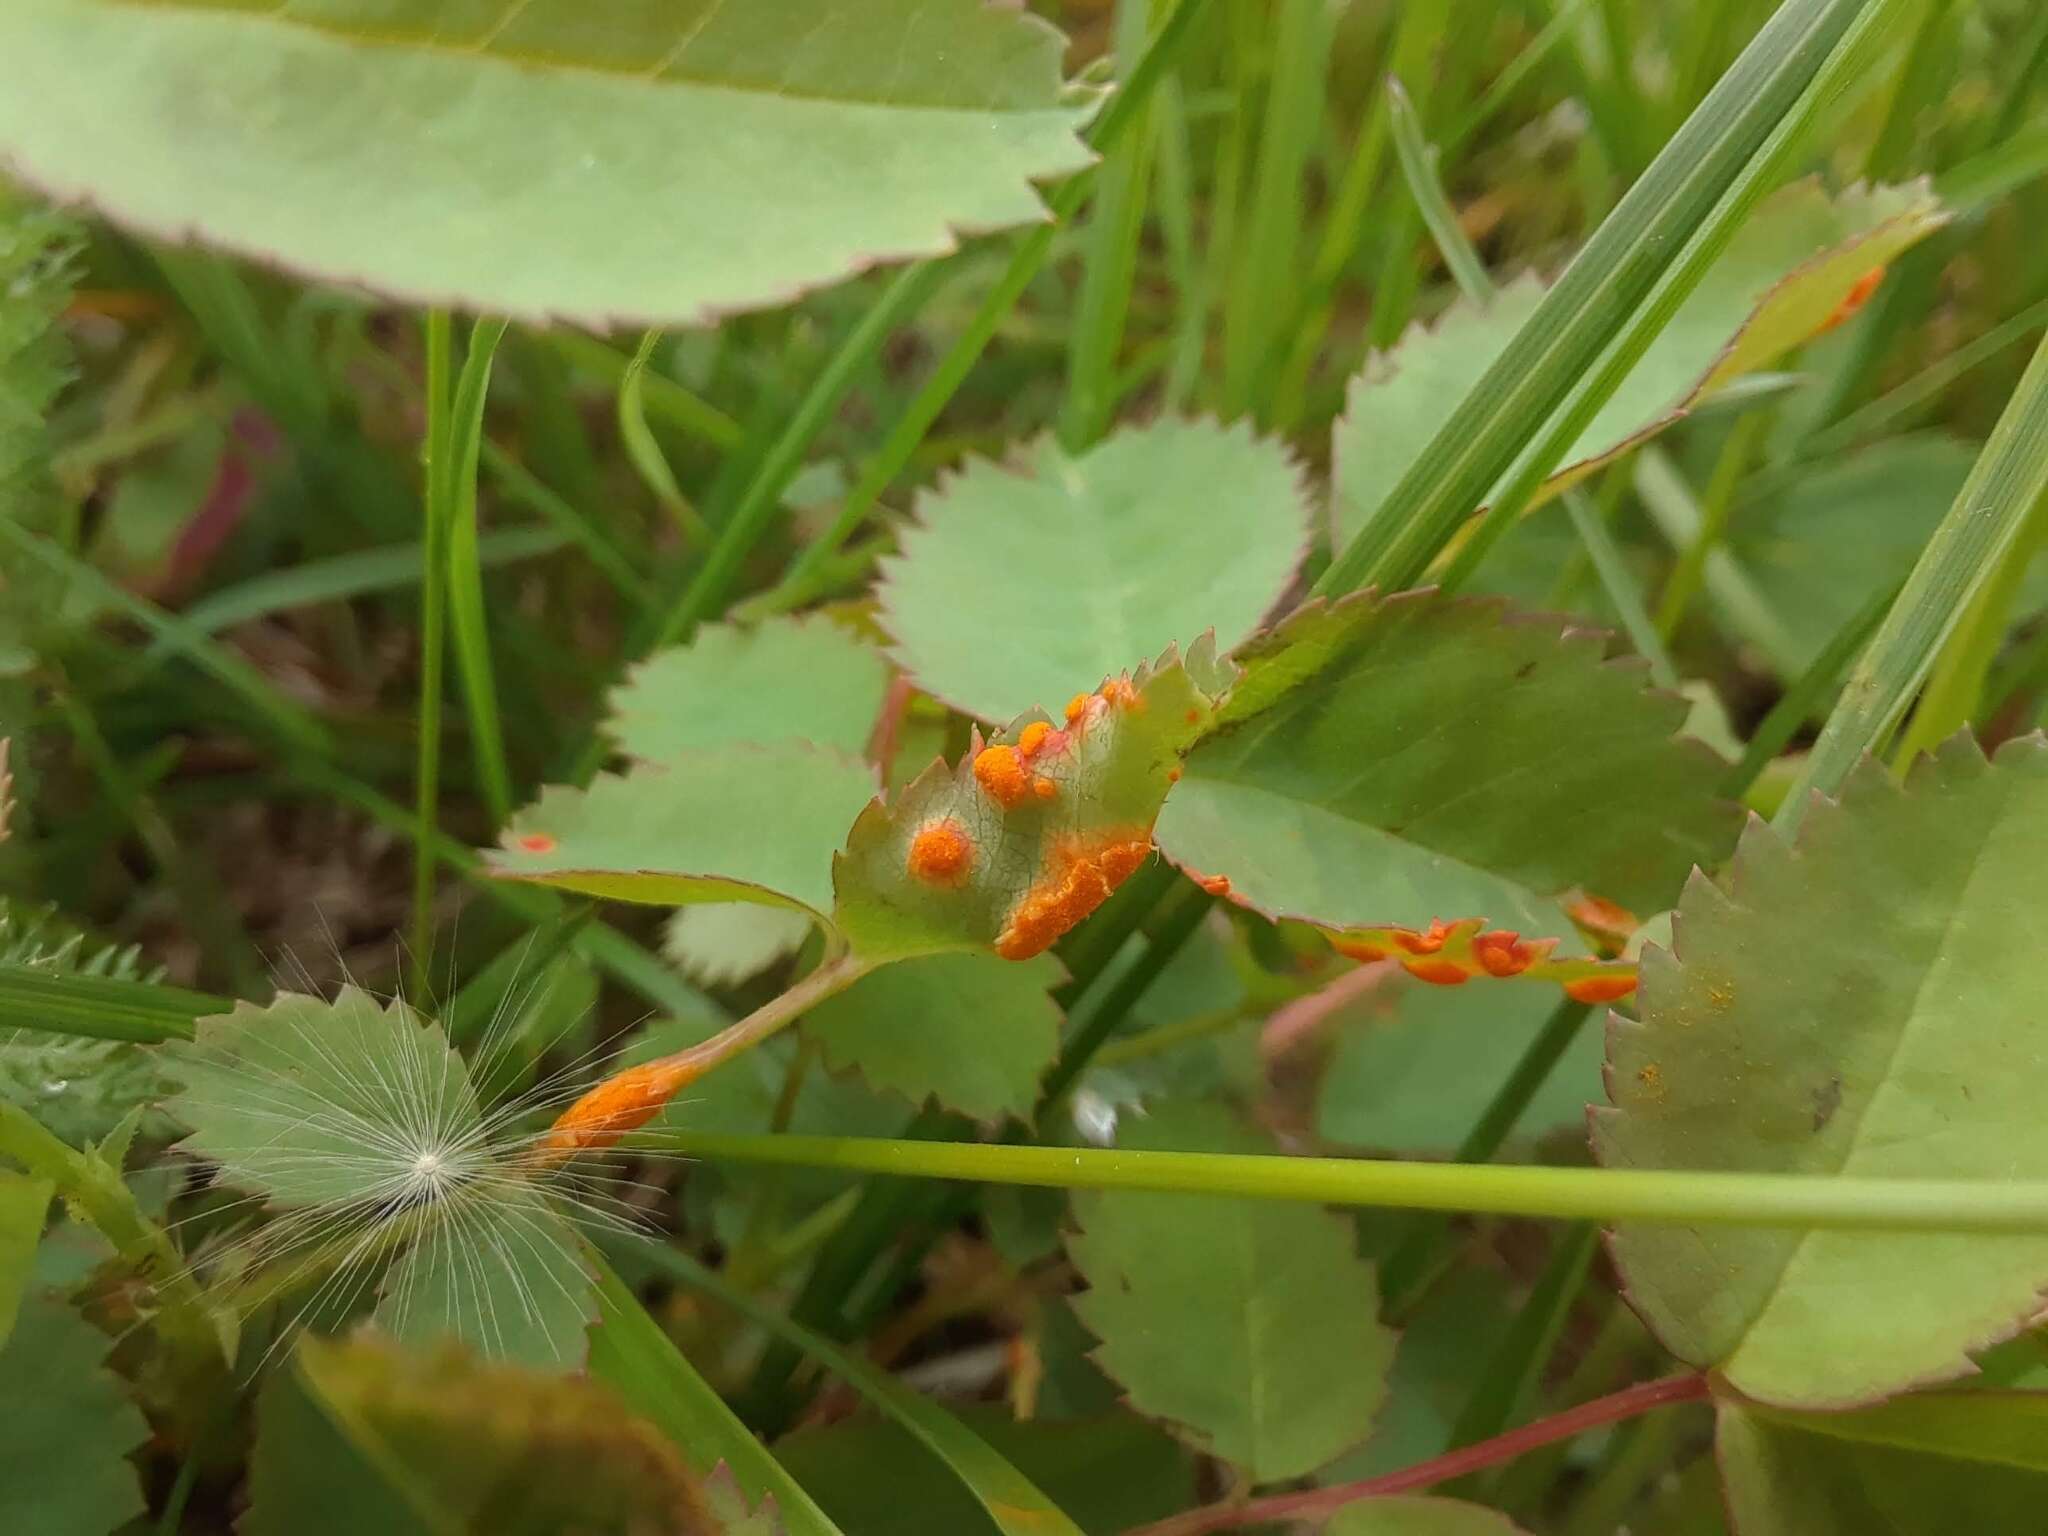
<point>1116,221</point>
<point>457,514</point>
<point>1418,166</point>
<point>644,453</point>
<point>434,584</point>
<point>337,578</point>
<point>630,1353</point>
<point>1598,295</point>
<point>1012,1500</point>
<point>287,718</point>
<point>100,1007</point>
<point>1990,513</point>
<point>662,396</point>
<point>614,563</point>
<point>1798,703</point>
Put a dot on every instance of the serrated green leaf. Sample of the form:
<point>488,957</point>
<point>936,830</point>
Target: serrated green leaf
<point>1018,588</point>
<point>24,1208</point>
<point>1926,1465</point>
<point>731,823</point>
<point>972,1031</point>
<point>462,1446</point>
<point>1863,1004</point>
<point>66,1428</point>
<point>1396,761</point>
<point>1786,273</point>
<point>501,1270</point>
<point>1418,1516</point>
<point>1246,1326</point>
<point>1019,841</point>
<point>553,160</point>
<point>802,679</point>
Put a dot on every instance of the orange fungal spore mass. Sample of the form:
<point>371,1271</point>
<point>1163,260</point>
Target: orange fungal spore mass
<point>1001,773</point>
<point>615,1106</point>
<point>1078,880</point>
<point>1601,989</point>
<point>941,854</point>
<point>537,842</point>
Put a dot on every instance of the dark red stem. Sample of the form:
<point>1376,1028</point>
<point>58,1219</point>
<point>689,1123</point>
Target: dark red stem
<point>1320,1503</point>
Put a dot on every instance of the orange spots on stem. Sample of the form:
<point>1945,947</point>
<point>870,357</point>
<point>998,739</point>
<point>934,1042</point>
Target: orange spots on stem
<point>616,1106</point>
<point>1079,878</point>
<point>1002,776</point>
<point>1502,953</point>
<point>1438,973</point>
<point>1608,987</point>
<point>940,853</point>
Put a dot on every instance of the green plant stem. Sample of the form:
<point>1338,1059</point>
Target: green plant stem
<point>1315,1504</point>
<point>661,394</point>
<point>456,512</point>
<point>1669,1197</point>
<point>1614,298</point>
<point>433,624</point>
<point>1715,508</point>
<point>95,1189</point>
<point>1517,1365</point>
<point>1739,600</point>
<point>1990,512</point>
<point>799,584</point>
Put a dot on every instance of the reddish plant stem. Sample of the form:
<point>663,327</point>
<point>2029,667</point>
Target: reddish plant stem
<point>1320,1503</point>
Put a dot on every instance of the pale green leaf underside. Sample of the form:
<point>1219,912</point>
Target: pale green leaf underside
<point>1788,268</point>
<point>804,679</point>
<point>314,1103</point>
<point>500,1271</point>
<point>65,1428</point>
<point>734,823</point>
<point>1400,761</point>
<point>972,1031</point>
<point>1864,1006</point>
<point>1419,1516</point>
<point>595,160</point>
<point>720,943</point>
<point>1927,1465</point>
<point>1018,589</point>
<point>1247,1326</point>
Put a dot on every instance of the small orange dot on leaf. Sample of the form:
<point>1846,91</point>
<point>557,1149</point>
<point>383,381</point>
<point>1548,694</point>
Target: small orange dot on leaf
<point>537,842</point>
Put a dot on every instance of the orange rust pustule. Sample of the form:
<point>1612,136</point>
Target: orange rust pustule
<point>1079,880</point>
<point>1001,773</point>
<point>1438,973</point>
<point>537,842</point>
<point>616,1106</point>
<point>1858,295</point>
<point>1044,788</point>
<point>1077,706</point>
<point>1032,739</point>
<point>940,854</point>
<point>1215,885</point>
<point>1122,693</point>
<point>1600,989</point>
<point>1502,953</point>
<point>1423,943</point>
